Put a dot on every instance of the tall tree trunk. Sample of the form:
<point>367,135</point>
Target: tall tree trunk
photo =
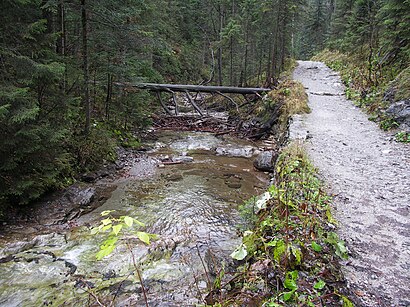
<point>47,15</point>
<point>268,81</point>
<point>245,60</point>
<point>219,53</point>
<point>108,97</point>
<point>61,41</point>
<point>260,66</point>
<point>86,74</point>
<point>276,44</point>
<point>231,61</point>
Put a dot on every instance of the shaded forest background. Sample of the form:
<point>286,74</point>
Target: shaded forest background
<point>61,114</point>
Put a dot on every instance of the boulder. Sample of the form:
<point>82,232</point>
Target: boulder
<point>265,161</point>
<point>80,196</point>
<point>400,111</point>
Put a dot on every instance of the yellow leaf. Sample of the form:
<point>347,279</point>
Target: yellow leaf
<point>143,236</point>
<point>116,229</point>
<point>128,221</point>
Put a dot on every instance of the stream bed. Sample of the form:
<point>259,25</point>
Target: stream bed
<point>191,206</point>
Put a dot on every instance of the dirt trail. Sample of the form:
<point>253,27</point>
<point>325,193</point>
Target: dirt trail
<point>370,175</point>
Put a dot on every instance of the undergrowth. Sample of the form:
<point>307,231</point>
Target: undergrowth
<point>295,101</point>
<point>280,104</point>
<point>290,255</point>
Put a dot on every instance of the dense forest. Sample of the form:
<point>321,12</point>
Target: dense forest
<point>61,113</point>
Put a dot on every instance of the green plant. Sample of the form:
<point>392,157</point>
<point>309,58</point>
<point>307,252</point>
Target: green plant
<point>127,139</point>
<point>114,226</point>
<point>290,283</point>
<point>403,137</point>
<point>292,237</point>
<point>339,245</point>
<point>388,124</point>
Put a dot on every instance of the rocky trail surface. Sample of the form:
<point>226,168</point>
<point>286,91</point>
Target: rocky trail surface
<point>369,174</point>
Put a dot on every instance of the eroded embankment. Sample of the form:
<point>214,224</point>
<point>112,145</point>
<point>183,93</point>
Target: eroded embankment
<point>369,175</point>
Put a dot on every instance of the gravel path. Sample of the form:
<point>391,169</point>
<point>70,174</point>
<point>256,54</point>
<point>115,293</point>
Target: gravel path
<point>370,175</point>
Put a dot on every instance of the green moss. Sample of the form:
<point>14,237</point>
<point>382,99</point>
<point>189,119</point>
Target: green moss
<point>295,101</point>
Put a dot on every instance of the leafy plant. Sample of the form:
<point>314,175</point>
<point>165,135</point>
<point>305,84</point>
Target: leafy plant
<point>319,285</point>
<point>388,124</point>
<point>291,238</point>
<point>240,252</point>
<point>339,245</point>
<point>114,226</point>
<point>403,137</point>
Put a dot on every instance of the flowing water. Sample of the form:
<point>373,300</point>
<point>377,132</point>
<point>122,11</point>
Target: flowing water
<point>192,207</point>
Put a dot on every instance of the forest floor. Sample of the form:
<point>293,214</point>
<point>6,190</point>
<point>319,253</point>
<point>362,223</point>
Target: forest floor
<point>369,175</point>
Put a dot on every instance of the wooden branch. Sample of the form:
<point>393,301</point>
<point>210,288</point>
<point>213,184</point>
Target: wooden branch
<point>230,99</point>
<point>191,101</point>
<point>174,98</point>
<point>162,104</point>
<point>257,94</point>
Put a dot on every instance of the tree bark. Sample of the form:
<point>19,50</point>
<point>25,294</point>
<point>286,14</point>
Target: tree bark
<point>192,102</point>
<point>108,97</point>
<point>86,74</point>
<point>220,54</point>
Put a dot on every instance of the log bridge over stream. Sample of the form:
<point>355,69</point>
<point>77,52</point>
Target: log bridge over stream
<point>187,89</point>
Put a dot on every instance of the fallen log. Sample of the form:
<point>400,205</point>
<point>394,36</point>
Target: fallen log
<point>195,88</point>
<point>171,162</point>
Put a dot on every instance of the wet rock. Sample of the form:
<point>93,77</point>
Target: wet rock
<point>71,267</point>
<point>89,177</point>
<point>183,159</point>
<point>233,181</point>
<point>84,284</point>
<point>265,161</point>
<point>213,262</point>
<point>400,111</point>
<point>18,247</point>
<point>165,159</point>
<point>245,152</point>
<point>104,172</point>
<point>83,197</point>
<point>109,275</point>
<point>234,185</point>
<point>7,259</point>
<point>161,249</point>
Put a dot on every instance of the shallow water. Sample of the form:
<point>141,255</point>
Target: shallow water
<point>192,207</point>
